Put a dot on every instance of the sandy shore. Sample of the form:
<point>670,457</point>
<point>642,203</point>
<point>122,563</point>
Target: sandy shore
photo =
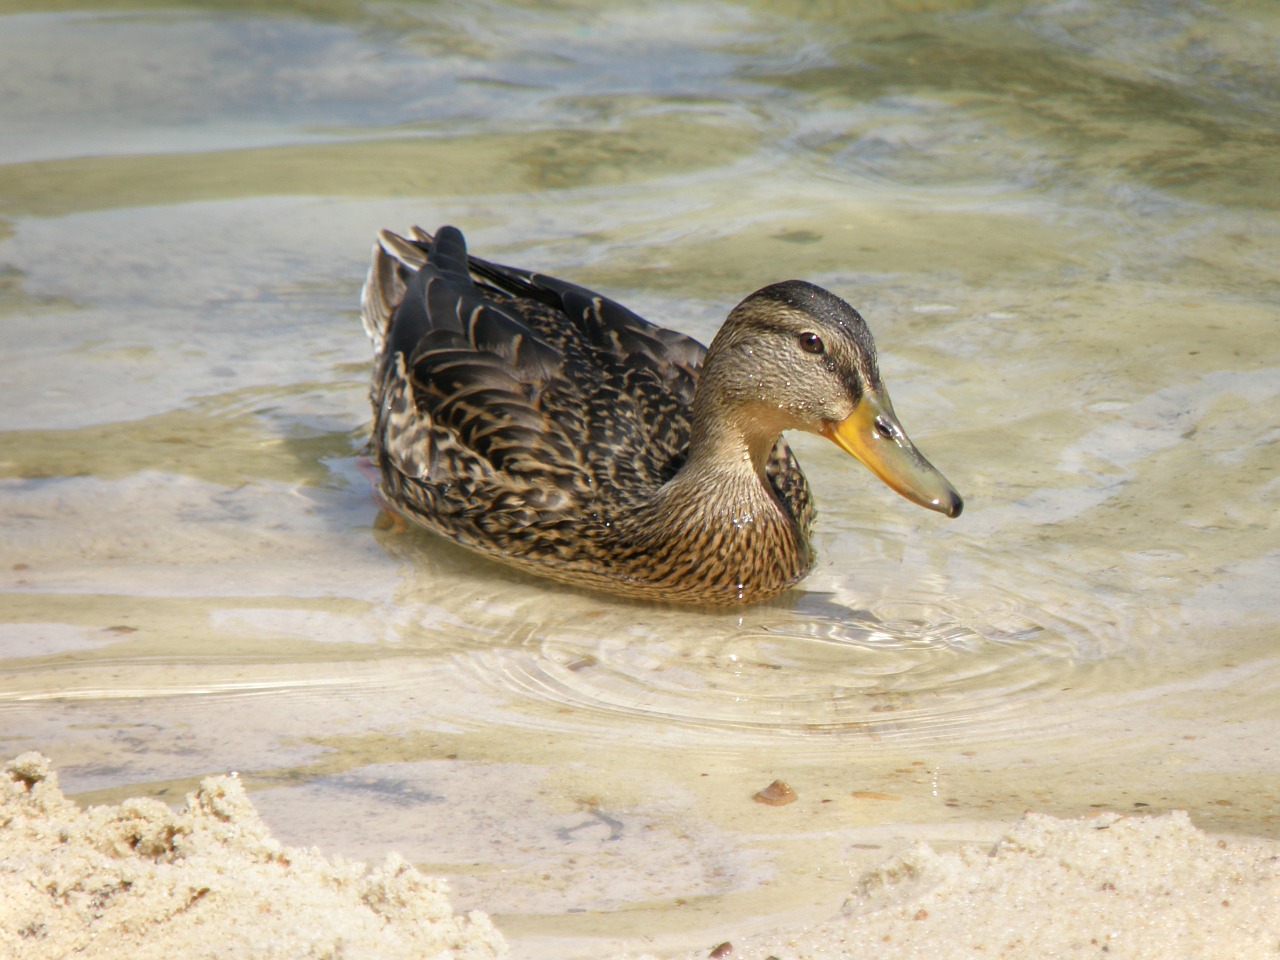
<point>141,881</point>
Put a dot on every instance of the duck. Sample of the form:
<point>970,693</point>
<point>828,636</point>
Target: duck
<point>547,427</point>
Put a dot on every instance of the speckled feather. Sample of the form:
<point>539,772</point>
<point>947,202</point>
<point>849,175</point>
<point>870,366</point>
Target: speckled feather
<point>537,422</point>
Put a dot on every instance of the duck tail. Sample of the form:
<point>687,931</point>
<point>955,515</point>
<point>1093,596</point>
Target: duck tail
<point>394,261</point>
<point>448,254</point>
<point>385,283</point>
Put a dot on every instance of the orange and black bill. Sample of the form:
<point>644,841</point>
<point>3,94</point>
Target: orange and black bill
<point>873,434</point>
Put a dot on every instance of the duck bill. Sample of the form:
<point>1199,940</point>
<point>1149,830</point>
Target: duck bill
<point>873,434</point>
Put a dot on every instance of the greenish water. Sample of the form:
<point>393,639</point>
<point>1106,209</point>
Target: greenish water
<point>1060,221</point>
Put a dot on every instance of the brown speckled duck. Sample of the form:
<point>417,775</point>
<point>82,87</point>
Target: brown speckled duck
<point>545,426</point>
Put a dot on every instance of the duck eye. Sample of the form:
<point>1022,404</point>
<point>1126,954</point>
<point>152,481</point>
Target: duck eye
<point>811,343</point>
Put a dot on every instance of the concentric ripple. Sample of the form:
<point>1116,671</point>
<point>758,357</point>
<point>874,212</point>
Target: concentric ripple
<point>902,671</point>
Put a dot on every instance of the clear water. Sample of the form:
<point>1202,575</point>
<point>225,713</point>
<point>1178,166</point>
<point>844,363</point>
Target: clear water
<point>1061,222</point>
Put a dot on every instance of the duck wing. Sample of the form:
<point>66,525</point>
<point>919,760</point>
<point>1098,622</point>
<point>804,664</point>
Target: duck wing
<point>511,406</point>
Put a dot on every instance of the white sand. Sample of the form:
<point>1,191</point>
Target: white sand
<point>1109,886</point>
<point>138,880</point>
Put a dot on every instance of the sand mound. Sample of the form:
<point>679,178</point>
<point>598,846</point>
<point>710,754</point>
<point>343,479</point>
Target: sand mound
<point>1111,886</point>
<point>141,881</point>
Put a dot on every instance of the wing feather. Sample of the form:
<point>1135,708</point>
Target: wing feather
<point>506,399</point>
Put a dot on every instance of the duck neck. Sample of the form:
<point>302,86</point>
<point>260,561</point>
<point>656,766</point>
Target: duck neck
<point>717,528</point>
<point>729,450</point>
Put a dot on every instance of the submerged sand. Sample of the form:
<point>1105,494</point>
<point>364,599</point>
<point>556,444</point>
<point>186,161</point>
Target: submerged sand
<point>142,881</point>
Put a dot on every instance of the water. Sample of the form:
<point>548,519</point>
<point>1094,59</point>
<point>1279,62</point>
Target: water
<point>1060,221</point>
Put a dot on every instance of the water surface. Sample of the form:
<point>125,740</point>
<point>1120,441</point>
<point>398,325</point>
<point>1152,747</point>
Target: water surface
<point>1061,223</point>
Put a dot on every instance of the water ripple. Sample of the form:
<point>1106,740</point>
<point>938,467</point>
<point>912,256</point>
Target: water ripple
<point>901,671</point>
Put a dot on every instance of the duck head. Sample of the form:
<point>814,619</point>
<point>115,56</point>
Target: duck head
<point>795,356</point>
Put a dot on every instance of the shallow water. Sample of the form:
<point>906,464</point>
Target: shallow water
<point>1060,221</point>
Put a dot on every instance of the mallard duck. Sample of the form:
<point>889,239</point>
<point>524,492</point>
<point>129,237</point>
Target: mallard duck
<point>548,427</point>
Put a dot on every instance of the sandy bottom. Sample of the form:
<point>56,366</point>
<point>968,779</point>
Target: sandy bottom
<point>139,880</point>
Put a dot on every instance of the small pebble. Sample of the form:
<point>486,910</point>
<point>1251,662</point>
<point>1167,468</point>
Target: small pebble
<point>776,794</point>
